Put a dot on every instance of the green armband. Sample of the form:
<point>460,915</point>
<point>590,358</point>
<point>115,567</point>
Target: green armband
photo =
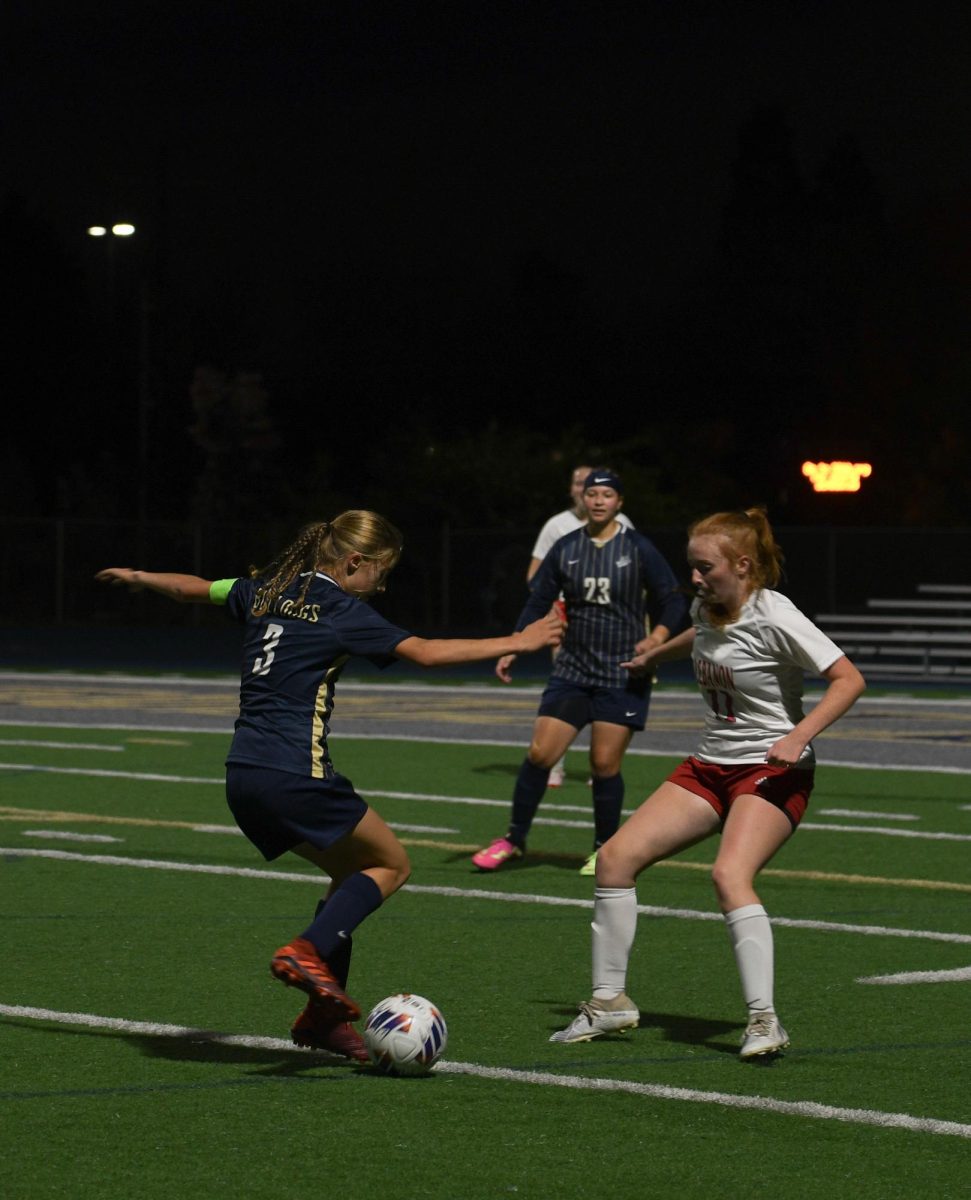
<point>219,590</point>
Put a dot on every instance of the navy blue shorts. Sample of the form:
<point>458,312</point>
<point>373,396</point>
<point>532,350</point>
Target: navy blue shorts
<point>579,703</point>
<point>277,810</point>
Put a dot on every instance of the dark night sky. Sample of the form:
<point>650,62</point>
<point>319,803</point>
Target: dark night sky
<point>299,130</point>
<point>262,145</point>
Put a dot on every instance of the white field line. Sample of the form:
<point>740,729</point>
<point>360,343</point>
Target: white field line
<point>792,1108</point>
<point>868,816</point>
<point>958,975</point>
<point>64,836</point>
<point>150,777</point>
<point>649,910</point>
<point>515,743</point>
<point>103,773</point>
<point>878,829</point>
<point>235,831</point>
<point>35,744</point>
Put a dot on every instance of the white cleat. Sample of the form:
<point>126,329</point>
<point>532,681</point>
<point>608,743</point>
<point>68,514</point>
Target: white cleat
<point>557,777</point>
<point>598,1017</point>
<point>764,1035</point>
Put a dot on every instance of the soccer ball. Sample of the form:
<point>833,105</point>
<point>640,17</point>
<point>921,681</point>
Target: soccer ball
<point>405,1035</point>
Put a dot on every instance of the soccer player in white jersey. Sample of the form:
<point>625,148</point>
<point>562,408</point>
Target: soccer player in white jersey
<point>570,519</point>
<point>750,778</point>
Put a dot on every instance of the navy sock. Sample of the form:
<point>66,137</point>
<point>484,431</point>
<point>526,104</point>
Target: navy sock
<point>339,960</point>
<point>608,800</point>
<point>356,898</point>
<point>530,786</point>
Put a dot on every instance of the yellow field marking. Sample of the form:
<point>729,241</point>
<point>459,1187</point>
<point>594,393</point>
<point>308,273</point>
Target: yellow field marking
<point>8,813</point>
<point>776,872</point>
<point>72,818</point>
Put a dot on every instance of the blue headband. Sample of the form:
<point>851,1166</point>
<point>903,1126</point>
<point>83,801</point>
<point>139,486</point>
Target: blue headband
<point>604,478</point>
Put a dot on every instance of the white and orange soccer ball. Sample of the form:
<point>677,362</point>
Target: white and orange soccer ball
<point>405,1034</point>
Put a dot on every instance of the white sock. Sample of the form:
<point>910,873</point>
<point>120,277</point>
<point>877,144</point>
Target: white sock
<point>614,923</point>
<point>751,935</point>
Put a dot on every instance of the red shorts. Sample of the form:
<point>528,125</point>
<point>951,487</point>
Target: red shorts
<point>787,788</point>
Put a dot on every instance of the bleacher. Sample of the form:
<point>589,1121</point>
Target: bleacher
<point>926,637</point>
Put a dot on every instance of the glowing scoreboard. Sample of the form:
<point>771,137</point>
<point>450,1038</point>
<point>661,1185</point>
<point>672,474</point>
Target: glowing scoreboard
<point>836,476</point>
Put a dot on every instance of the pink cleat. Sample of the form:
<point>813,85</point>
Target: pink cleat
<point>497,855</point>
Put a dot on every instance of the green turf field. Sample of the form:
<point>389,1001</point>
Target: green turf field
<point>117,950</point>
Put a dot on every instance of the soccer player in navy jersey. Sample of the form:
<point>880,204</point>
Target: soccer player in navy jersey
<point>304,616</point>
<point>574,517</point>
<point>610,577</point>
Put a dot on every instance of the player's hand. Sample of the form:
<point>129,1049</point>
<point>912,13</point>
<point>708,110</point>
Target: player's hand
<point>503,665</point>
<point>121,577</point>
<point>547,631</point>
<point>643,662</point>
<point>786,752</point>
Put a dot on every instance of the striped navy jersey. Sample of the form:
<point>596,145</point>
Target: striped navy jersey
<point>292,657</point>
<point>608,591</point>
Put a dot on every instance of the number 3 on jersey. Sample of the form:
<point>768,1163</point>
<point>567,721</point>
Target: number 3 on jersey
<point>271,639</point>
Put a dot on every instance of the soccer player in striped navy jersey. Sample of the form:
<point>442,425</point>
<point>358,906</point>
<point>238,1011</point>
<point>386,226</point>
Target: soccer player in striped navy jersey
<point>305,615</point>
<point>610,577</point>
<point>556,527</point>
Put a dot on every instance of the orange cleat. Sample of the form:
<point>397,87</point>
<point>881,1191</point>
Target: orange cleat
<point>299,965</point>
<point>319,1032</point>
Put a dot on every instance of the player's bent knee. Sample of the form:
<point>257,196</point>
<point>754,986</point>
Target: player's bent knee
<point>613,866</point>
<point>391,874</point>
<point>402,870</point>
<point>541,758</point>
<point>602,767</point>
<point>729,883</point>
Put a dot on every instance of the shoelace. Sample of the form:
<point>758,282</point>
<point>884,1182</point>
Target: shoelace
<point>590,1011</point>
<point>760,1026</point>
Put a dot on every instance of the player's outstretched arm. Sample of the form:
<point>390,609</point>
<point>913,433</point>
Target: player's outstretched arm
<point>187,589</point>
<point>443,652</point>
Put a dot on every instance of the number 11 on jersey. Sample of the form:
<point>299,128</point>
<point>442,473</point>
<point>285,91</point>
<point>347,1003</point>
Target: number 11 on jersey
<point>721,704</point>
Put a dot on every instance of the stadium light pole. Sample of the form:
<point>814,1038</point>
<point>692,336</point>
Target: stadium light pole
<point>125,230</point>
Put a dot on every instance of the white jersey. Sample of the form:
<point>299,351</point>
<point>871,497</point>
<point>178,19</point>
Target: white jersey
<point>751,677</point>
<point>562,524</point>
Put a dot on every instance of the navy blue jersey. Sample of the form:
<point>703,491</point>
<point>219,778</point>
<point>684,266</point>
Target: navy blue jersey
<point>608,590</point>
<point>292,657</point>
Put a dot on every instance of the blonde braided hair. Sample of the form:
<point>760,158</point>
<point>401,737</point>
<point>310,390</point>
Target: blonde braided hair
<point>323,545</point>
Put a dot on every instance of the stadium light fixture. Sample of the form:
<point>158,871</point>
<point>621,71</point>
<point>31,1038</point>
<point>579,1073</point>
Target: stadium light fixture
<point>120,229</point>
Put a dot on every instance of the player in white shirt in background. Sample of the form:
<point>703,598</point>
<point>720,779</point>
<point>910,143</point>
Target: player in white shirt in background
<point>556,527</point>
<point>750,778</point>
